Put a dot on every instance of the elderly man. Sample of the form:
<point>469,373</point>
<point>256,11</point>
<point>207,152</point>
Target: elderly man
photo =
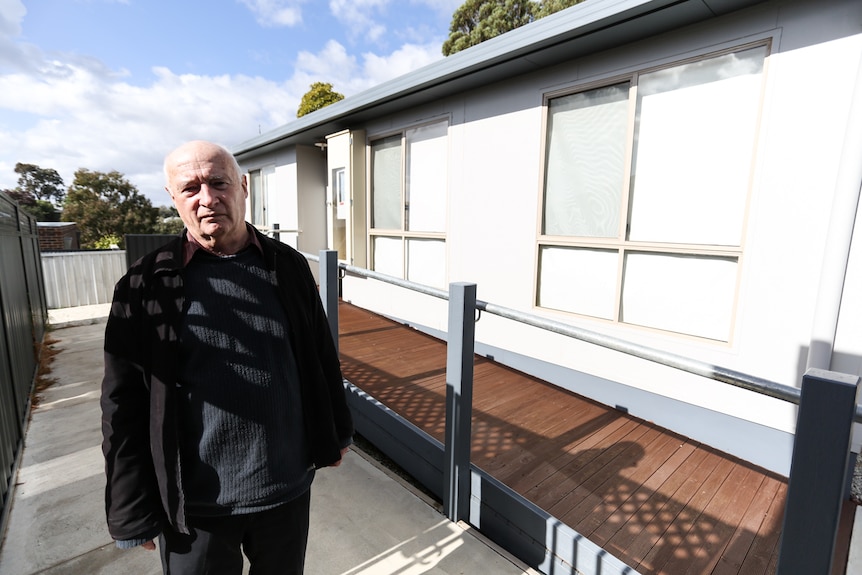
<point>222,390</point>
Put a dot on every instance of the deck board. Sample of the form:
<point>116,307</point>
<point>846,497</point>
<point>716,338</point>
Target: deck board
<point>607,526</point>
<point>686,530</point>
<point>642,530</point>
<point>660,502</point>
<point>740,545</point>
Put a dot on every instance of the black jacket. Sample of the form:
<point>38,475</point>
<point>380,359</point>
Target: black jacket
<point>139,411</point>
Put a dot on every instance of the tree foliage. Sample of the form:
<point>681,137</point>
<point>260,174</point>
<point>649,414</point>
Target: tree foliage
<point>42,210</point>
<point>169,221</point>
<point>478,20</point>
<point>106,204</point>
<point>40,191</point>
<point>318,96</point>
<point>109,242</point>
<point>40,183</point>
<point>548,7</point>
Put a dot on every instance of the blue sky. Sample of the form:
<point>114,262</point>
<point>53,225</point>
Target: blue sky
<point>115,84</point>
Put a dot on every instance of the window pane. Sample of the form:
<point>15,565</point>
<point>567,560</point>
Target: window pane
<point>388,257</point>
<point>386,184</point>
<point>684,294</point>
<point>585,163</point>
<point>339,213</point>
<point>426,262</point>
<point>578,280</point>
<point>257,198</point>
<point>427,152</point>
<point>695,137</point>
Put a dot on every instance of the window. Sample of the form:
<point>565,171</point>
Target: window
<point>408,204</point>
<point>645,192</point>
<point>257,194</point>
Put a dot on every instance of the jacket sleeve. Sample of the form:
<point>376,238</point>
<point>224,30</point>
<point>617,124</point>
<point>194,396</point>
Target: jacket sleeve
<point>343,420</point>
<point>132,499</point>
<point>332,399</point>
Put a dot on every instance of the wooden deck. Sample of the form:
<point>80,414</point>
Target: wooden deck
<point>658,501</point>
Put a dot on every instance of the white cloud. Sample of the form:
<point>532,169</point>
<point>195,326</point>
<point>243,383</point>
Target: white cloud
<point>67,111</point>
<point>12,55</point>
<point>104,124</point>
<point>349,76</point>
<point>12,12</point>
<point>332,64</point>
<point>357,16</point>
<point>377,69</point>
<point>443,6</point>
<point>274,13</point>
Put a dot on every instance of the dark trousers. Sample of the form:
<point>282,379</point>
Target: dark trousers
<point>274,542</point>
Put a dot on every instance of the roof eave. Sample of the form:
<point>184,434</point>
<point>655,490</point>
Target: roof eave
<point>582,29</point>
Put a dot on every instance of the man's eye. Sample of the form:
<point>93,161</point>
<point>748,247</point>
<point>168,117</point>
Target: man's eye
<point>219,184</point>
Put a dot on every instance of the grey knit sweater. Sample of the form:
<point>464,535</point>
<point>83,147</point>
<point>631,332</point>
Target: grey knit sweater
<point>243,443</point>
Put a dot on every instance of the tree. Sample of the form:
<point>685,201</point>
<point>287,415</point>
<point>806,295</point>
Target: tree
<point>548,7</point>
<point>107,204</point>
<point>39,191</point>
<point>42,210</point>
<point>109,242</point>
<point>169,221</point>
<point>478,20</point>
<point>318,96</point>
<point>41,183</point>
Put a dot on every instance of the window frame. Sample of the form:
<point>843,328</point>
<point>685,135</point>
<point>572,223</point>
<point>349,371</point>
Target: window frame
<point>259,194</point>
<point>621,244</point>
<point>404,235</point>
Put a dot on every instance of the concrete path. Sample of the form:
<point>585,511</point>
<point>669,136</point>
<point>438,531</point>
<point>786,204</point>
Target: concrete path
<point>364,520</point>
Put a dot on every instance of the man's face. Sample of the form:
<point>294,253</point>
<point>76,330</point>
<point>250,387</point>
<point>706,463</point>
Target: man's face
<point>209,195</point>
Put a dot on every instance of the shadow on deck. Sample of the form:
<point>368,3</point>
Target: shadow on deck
<point>657,501</point>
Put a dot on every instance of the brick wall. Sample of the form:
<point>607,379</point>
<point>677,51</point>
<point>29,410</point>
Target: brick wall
<point>58,237</point>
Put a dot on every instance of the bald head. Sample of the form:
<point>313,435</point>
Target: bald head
<point>189,150</point>
<point>209,191</point>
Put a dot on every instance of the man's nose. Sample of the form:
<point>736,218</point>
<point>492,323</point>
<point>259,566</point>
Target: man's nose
<point>208,196</point>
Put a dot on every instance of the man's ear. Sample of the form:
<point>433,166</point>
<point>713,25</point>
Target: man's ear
<point>245,185</point>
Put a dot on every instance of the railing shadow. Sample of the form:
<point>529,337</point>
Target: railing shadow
<point>657,501</point>
<point>424,552</point>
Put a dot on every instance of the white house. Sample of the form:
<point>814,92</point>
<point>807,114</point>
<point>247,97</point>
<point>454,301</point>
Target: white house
<point>683,175</point>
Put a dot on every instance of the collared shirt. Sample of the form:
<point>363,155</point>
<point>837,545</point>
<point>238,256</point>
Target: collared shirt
<point>191,247</point>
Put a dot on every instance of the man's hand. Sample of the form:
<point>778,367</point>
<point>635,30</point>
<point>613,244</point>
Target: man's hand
<point>149,545</point>
<point>343,452</point>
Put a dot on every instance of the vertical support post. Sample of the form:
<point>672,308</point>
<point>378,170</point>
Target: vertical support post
<point>459,399</point>
<point>329,289</point>
<point>275,232</point>
<point>818,472</point>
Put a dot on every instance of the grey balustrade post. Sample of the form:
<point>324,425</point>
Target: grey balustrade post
<point>818,472</point>
<point>276,234</point>
<point>329,289</point>
<point>459,399</point>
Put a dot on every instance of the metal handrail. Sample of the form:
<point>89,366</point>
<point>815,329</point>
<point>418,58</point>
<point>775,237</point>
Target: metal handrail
<point>736,378</point>
<point>269,230</point>
<point>731,377</point>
